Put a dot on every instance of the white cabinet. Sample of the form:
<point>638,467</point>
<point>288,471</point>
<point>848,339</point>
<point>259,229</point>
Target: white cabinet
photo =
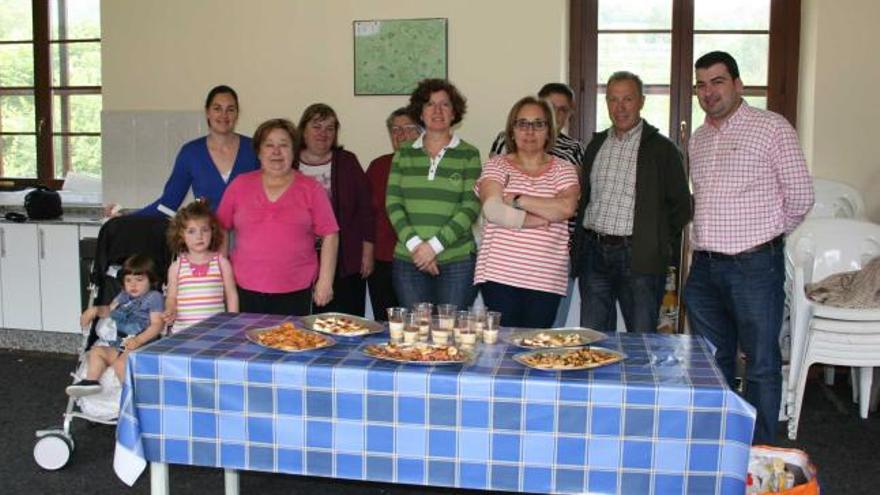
<point>39,277</point>
<point>20,276</point>
<point>58,247</point>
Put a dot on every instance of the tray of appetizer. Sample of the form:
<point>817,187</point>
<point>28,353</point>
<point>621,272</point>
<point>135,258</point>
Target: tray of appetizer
<point>582,358</point>
<point>287,337</point>
<point>341,324</point>
<point>420,353</point>
<point>554,338</point>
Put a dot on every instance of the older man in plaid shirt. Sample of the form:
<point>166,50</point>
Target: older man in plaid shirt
<point>751,187</point>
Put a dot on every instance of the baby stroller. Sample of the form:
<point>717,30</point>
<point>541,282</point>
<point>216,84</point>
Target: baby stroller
<point>118,239</point>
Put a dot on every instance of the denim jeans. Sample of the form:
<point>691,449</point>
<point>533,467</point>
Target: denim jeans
<point>737,301</point>
<point>454,285</point>
<point>606,278</point>
<point>564,305</point>
<point>525,308</point>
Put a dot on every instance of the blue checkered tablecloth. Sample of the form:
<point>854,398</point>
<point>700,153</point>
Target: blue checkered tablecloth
<point>661,422</point>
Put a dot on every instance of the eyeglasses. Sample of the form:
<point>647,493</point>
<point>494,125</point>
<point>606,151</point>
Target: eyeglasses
<point>398,129</point>
<point>524,125</point>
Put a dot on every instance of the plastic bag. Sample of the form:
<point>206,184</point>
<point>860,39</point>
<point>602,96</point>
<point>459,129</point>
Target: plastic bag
<point>777,471</point>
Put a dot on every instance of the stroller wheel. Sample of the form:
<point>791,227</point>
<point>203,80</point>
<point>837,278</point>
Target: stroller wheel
<point>53,451</point>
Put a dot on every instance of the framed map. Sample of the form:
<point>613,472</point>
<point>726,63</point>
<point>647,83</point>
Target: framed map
<point>392,56</point>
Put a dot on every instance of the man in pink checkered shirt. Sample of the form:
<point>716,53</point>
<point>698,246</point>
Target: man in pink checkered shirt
<point>751,187</point>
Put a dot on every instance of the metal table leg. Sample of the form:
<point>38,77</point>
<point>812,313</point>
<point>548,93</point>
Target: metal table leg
<point>230,481</point>
<point>159,483</point>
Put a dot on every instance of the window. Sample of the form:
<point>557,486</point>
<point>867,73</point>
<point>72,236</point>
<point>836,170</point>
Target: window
<point>660,39</point>
<point>50,89</point>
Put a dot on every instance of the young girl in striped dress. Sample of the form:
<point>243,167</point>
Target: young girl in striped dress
<point>200,281</point>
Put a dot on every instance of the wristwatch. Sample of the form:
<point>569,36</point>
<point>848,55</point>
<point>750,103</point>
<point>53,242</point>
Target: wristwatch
<point>515,202</point>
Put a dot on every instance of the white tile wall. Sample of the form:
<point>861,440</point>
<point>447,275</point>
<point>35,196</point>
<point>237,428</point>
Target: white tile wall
<point>139,148</point>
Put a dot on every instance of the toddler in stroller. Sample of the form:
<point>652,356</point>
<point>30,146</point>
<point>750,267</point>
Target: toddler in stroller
<point>118,240</point>
<point>134,318</point>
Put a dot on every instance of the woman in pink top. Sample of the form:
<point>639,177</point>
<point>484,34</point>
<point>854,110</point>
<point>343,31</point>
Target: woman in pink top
<point>528,197</point>
<point>276,213</point>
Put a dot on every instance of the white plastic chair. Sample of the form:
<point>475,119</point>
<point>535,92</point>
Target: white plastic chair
<point>836,199</point>
<point>825,334</point>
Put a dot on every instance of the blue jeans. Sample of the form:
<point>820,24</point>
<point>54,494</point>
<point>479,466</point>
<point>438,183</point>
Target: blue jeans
<point>737,301</point>
<point>525,308</point>
<point>564,304</point>
<point>606,278</point>
<point>454,285</point>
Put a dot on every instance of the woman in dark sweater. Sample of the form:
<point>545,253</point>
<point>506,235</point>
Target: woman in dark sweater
<point>346,183</point>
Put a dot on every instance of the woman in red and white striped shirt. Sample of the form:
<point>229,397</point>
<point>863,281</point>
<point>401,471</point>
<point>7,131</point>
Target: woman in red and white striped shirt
<point>527,196</point>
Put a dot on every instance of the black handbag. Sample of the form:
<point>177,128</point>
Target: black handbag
<point>43,204</point>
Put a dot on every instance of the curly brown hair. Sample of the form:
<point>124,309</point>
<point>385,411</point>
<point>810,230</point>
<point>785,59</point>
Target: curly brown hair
<point>197,210</point>
<point>422,95</point>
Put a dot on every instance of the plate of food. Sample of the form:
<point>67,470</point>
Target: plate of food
<point>554,338</point>
<point>342,324</point>
<point>288,337</point>
<point>582,358</point>
<point>420,353</point>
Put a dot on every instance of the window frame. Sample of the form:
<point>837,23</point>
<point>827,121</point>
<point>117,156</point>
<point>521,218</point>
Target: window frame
<point>782,75</point>
<point>43,92</point>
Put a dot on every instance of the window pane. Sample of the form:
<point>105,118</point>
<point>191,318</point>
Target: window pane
<point>80,65</point>
<point>17,113</point>
<point>655,111</point>
<point>83,113</point>
<point>83,19</point>
<point>698,115</point>
<point>16,22</point>
<point>647,55</point>
<point>742,14</point>
<point>17,65</point>
<point>80,153</point>
<point>18,155</point>
<point>751,52</point>
<point>635,14</point>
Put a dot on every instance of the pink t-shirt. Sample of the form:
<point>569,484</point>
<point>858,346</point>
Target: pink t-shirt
<point>274,250</point>
<point>535,258</point>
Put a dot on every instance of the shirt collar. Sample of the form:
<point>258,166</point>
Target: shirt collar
<point>630,134</point>
<point>453,143</point>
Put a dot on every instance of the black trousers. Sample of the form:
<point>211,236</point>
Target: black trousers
<point>349,294</point>
<point>297,303</point>
<point>382,294</point>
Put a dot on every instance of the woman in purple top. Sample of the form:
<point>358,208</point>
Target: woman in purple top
<point>209,163</point>
<point>344,179</point>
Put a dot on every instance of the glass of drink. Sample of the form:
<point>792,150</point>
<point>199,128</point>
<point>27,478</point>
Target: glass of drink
<point>490,330</point>
<point>463,321</point>
<point>423,313</point>
<point>439,331</point>
<point>479,320</point>
<point>396,323</point>
<point>446,312</point>
<point>411,328</point>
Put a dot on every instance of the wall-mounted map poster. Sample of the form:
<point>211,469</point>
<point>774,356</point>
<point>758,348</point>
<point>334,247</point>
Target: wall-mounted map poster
<point>392,56</point>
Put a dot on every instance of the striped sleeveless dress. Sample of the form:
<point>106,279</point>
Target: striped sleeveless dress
<point>200,292</point>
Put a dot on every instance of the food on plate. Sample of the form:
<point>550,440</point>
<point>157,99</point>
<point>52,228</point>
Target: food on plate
<point>289,338</point>
<point>339,325</point>
<point>419,352</point>
<point>573,359</point>
<point>554,339</point>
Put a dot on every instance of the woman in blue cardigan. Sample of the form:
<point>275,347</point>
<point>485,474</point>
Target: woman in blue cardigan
<point>209,163</point>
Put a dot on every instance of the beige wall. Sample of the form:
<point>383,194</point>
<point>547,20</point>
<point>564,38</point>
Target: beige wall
<point>837,113</point>
<point>281,55</point>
